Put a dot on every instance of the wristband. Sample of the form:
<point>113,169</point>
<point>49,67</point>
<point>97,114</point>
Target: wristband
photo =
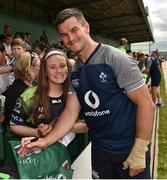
<point>38,134</point>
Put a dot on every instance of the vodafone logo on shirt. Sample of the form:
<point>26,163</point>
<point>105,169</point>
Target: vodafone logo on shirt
<point>92,100</point>
<point>90,94</point>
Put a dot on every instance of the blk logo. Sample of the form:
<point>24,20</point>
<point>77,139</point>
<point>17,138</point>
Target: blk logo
<point>92,99</point>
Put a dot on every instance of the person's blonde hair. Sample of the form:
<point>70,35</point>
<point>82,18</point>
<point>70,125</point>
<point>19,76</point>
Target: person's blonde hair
<point>24,65</point>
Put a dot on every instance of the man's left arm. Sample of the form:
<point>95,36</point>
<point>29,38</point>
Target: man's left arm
<point>144,112</point>
<point>144,122</point>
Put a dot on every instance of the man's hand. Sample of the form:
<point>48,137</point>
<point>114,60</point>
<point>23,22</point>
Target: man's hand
<point>43,129</point>
<point>27,145</point>
<point>136,160</point>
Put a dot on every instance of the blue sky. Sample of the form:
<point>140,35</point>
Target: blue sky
<point>158,16</point>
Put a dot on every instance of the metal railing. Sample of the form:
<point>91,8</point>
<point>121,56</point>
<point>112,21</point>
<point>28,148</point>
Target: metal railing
<point>78,145</point>
<point>154,145</point>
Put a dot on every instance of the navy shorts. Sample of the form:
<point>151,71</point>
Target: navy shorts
<point>155,79</point>
<point>155,82</point>
<point>107,165</point>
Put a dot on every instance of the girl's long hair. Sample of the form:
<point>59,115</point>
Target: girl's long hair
<point>41,101</point>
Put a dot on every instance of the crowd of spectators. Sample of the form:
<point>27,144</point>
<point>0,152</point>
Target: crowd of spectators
<point>149,65</point>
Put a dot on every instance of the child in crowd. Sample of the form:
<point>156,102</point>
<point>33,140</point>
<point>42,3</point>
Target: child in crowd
<point>26,70</point>
<point>18,47</point>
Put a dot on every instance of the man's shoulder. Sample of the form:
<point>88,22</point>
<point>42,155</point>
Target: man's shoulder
<point>108,47</point>
<point>115,56</point>
<point>113,50</point>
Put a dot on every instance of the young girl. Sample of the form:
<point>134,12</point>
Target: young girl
<point>37,109</point>
<point>26,70</point>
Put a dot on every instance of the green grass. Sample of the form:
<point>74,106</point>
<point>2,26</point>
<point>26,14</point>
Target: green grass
<point>162,154</point>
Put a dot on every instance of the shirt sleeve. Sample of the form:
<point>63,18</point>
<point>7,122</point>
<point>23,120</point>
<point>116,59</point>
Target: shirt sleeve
<point>149,62</point>
<point>127,73</point>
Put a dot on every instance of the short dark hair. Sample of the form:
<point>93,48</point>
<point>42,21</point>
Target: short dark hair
<point>140,54</point>
<point>7,26</point>
<point>7,35</point>
<point>128,51</point>
<point>123,41</point>
<point>68,13</point>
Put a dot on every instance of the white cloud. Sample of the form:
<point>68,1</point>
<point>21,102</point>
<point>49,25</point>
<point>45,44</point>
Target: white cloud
<point>158,16</point>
